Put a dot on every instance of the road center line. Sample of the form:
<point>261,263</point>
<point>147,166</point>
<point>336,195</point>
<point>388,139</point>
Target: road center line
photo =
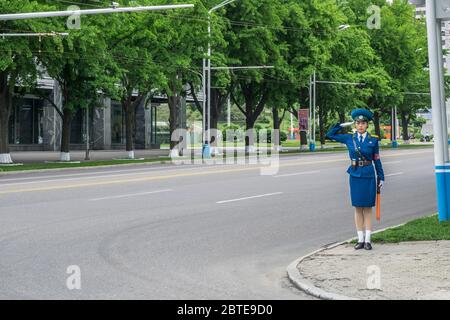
<point>295,174</point>
<point>391,162</point>
<point>184,174</point>
<point>393,174</point>
<point>252,197</point>
<point>92,175</point>
<point>130,195</point>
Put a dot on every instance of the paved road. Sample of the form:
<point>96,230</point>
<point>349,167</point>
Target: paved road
<point>190,232</point>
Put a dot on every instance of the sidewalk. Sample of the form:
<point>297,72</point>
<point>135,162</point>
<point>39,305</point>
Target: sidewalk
<point>95,155</point>
<point>407,270</point>
<point>98,155</point>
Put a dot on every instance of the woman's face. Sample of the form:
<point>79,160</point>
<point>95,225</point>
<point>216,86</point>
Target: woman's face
<point>361,126</point>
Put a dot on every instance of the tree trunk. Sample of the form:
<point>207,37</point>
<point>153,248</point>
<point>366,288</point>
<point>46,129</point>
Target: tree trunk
<point>174,105</point>
<point>253,109</point>
<point>376,123</point>
<point>129,128</point>
<point>322,120</point>
<point>5,156</point>
<point>341,117</point>
<point>215,107</point>
<point>5,107</point>
<point>276,129</point>
<point>342,120</point>
<point>250,135</point>
<point>276,118</point>
<point>215,112</point>
<point>65,135</point>
<point>405,121</point>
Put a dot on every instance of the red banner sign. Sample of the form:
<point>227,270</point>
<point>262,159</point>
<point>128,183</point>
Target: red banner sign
<point>303,119</point>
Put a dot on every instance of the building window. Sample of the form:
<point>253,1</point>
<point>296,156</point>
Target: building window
<point>26,122</point>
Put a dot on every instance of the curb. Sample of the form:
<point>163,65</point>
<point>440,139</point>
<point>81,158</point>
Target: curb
<point>307,286</point>
<point>2,173</point>
<point>295,276</point>
<point>84,168</point>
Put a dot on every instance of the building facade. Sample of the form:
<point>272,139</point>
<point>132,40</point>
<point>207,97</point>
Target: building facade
<point>35,125</point>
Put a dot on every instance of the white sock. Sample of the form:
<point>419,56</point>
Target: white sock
<point>360,236</point>
<point>368,233</point>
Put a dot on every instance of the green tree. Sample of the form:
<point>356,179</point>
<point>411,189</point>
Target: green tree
<point>181,44</point>
<point>396,43</point>
<point>134,45</point>
<point>309,32</point>
<point>17,63</point>
<point>82,66</point>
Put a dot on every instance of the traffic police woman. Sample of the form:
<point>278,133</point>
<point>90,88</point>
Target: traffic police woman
<point>363,150</point>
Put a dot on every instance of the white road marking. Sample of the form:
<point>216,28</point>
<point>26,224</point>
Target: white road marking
<point>187,166</point>
<point>295,174</point>
<point>393,174</point>
<point>390,162</point>
<point>80,174</point>
<point>90,175</point>
<point>130,195</point>
<point>252,197</point>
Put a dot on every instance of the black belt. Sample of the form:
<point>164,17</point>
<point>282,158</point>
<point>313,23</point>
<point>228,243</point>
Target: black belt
<point>361,163</point>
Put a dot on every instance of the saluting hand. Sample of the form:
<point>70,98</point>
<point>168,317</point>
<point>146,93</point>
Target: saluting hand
<point>346,124</point>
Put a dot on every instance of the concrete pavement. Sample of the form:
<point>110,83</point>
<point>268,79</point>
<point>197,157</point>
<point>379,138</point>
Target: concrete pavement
<point>189,232</point>
<point>405,271</point>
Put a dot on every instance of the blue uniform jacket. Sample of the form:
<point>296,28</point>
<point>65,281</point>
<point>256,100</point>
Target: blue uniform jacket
<point>369,149</point>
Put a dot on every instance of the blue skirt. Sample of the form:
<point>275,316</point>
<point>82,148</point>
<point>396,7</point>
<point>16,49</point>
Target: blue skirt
<point>362,191</point>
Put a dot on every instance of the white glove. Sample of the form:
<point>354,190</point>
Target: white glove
<point>381,184</point>
<point>346,124</point>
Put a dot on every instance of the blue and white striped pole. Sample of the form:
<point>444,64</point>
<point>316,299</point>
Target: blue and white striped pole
<point>441,154</point>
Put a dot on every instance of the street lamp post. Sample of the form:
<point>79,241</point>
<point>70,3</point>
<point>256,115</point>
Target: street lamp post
<point>206,147</point>
<point>394,132</point>
<point>202,75</point>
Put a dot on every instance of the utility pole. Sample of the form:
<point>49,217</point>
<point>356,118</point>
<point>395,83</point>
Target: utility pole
<point>394,127</point>
<point>436,12</point>
<point>229,111</point>
<point>312,103</point>
<point>206,151</point>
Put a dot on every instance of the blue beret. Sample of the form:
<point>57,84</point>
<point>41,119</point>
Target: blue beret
<point>361,114</point>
